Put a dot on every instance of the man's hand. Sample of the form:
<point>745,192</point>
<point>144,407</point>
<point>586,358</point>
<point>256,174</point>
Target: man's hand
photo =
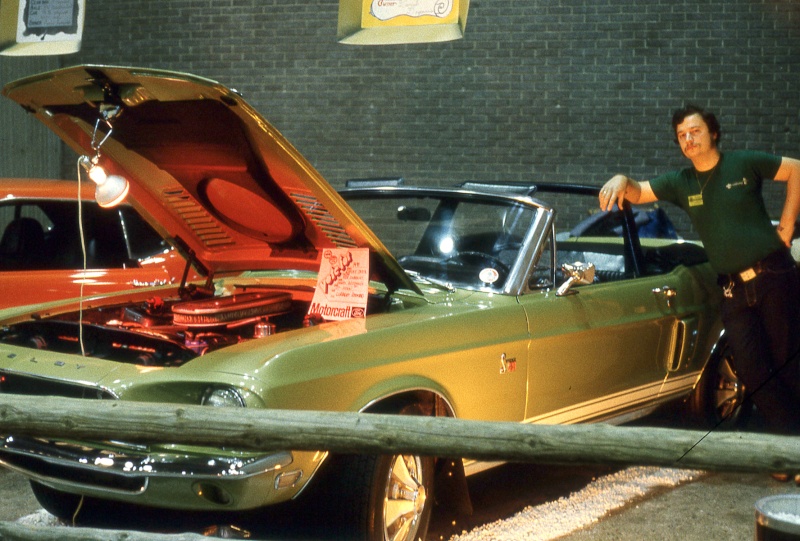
<point>613,192</point>
<point>620,188</point>
<point>786,233</point>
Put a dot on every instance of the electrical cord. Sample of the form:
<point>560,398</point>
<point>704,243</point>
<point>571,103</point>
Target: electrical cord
<point>83,253</point>
<point>747,400</point>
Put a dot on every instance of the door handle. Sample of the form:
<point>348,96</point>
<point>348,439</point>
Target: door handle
<point>667,292</point>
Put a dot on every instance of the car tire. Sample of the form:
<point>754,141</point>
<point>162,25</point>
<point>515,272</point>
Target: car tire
<point>62,505</point>
<point>719,398</point>
<point>378,497</point>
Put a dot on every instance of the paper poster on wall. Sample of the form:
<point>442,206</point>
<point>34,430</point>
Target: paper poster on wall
<point>342,285</point>
<point>41,27</point>
<point>385,22</point>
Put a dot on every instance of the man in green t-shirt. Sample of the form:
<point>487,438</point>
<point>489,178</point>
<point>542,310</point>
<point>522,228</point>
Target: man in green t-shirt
<point>722,193</point>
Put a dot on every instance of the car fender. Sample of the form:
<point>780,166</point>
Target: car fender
<point>386,391</point>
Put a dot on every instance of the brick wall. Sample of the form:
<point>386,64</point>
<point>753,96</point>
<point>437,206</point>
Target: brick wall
<point>569,90</point>
<point>28,149</point>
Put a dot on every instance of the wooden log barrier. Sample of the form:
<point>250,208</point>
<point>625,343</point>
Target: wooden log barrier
<point>343,432</point>
<point>10,531</point>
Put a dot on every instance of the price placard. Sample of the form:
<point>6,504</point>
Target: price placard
<point>343,284</point>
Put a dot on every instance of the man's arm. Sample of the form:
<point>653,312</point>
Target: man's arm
<point>620,188</point>
<point>789,172</point>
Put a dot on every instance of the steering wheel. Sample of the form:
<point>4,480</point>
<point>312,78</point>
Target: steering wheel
<point>469,256</point>
<point>507,245</point>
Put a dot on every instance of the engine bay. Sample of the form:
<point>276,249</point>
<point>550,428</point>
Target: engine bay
<point>166,331</point>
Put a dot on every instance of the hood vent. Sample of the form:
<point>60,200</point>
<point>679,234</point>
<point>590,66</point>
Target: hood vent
<point>323,219</point>
<point>195,216</point>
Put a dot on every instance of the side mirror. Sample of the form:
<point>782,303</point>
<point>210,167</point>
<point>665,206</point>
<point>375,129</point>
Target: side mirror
<point>577,273</point>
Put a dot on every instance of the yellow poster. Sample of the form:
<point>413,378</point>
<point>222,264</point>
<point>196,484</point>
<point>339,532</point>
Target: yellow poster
<point>385,22</point>
<point>376,13</point>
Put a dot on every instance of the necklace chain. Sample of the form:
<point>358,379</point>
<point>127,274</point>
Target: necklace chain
<point>708,179</point>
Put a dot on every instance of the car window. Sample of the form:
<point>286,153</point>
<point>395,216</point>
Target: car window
<point>10,212</point>
<point>45,235</point>
<point>142,240</point>
<point>23,229</point>
<point>583,233</point>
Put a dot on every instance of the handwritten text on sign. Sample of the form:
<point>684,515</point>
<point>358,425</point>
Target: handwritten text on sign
<point>342,285</point>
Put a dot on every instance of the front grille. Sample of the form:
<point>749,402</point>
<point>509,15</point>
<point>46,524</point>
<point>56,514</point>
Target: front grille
<point>13,383</point>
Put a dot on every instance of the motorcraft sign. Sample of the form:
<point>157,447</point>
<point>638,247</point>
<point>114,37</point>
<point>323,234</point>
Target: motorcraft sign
<point>342,285</point>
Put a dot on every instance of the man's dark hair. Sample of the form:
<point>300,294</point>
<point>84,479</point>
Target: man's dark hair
<point>708,117</point>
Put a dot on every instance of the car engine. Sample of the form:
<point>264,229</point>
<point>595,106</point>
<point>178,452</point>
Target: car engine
<point>163,332</point>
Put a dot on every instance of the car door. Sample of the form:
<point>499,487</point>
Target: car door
<point>602,351</point>
<point>616,347</point>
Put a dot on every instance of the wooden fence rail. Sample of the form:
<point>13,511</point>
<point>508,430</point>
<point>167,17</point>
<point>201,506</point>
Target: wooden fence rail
<point>268,430</point>
<point>265,430</point>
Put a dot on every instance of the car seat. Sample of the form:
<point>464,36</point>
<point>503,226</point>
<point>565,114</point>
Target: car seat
<point>22,245</point>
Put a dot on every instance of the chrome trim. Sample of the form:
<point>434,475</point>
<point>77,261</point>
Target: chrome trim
<point>532,245</point>
<point>84,386</point>
<point>20,454</point>
<point>409,390</point>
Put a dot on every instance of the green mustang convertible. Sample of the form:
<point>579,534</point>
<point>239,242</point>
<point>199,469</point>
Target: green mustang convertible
<point>479,301</point>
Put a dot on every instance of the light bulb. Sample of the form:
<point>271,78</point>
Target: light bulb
<point>97,174</point>
<point>111,190</point>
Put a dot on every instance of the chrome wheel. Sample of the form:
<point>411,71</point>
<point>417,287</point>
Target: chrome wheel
<point>728,394</point>
<point>719,399</point>
<point>405,499</point>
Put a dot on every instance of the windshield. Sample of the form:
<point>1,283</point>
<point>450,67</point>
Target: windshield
<point>452,238</point>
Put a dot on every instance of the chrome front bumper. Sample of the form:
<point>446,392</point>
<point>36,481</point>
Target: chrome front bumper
<point>171,479</point>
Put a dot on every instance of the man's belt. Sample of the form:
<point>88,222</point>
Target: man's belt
<point>758,267</point>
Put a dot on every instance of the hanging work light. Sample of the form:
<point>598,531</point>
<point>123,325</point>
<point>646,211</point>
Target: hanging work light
<point>111,190</point>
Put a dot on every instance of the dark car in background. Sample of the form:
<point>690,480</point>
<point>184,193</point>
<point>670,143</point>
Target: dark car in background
<point>43,244</point>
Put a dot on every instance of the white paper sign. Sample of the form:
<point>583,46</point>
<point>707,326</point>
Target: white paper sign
<point>342,285</point>
<point>388,9</point>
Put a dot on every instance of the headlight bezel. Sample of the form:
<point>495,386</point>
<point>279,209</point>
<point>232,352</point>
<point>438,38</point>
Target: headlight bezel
<point>217,396</point>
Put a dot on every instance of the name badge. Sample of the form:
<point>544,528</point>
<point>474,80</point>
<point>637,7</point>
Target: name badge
<point>747,275</point>
<point>696,200</point>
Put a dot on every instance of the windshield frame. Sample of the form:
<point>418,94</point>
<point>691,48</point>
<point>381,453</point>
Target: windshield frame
<point>535,234</point>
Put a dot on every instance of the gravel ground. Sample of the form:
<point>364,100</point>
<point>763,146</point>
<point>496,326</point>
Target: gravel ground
<point>715,507</point>
<point>16,495</point>
<point>630,505</point>
<point>644,503</point>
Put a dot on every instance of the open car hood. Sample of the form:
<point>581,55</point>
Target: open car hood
<point>204,167</point>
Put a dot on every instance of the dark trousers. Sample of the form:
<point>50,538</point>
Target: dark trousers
<point>762,323</point>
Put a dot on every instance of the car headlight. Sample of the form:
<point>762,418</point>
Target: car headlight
<point>222,397</point>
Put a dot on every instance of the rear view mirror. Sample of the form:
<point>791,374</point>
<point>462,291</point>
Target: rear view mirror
<point>413,214</point>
